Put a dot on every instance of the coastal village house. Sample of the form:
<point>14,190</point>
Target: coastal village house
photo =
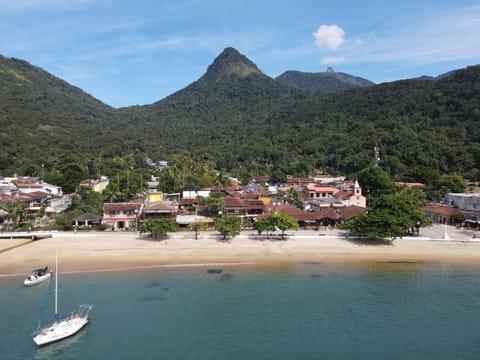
<point>35,193</point>
<point>441,213</point>
<point>122,216</point>
<point>87,220</point>
<point>319,196</point>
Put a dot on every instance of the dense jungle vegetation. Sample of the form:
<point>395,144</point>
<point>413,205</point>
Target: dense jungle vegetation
<point>237,119</point>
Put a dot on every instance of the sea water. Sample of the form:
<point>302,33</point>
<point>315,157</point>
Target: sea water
<point>309,311</point>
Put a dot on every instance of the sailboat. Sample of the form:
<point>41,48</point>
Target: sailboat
<point>64,325</point>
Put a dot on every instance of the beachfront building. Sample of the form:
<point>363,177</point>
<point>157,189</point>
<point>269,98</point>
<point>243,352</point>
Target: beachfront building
<point>441,213</point>
<point>122,216</point>
<point>322,196</point>
<point>87,220</point>
<point>160,210</point>
<point>244,207</point>
<point>328,217</point>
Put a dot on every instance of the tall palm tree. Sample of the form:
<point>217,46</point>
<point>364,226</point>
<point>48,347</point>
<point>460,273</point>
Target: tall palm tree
<point>175,176</point>
<point>294,198</point>
<point>16,211</point>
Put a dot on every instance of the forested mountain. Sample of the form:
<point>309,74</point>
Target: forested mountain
<point>322,82</point>
<point>239,118</point>
<point>419,126</point>
<point>221,115</point>
<point>43,119</point>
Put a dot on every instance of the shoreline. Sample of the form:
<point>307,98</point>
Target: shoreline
<point>84,252</point>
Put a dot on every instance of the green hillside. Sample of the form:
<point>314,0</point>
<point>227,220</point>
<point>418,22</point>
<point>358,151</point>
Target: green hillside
<point>45,120</point>
<point>219,115</point>
<point>238,118</point>
<point>416,124</point>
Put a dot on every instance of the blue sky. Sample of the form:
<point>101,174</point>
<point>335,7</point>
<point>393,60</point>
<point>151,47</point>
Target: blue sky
<point>138,52</point>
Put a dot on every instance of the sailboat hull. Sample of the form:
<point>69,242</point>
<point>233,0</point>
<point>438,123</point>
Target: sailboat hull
<point>60,330</point>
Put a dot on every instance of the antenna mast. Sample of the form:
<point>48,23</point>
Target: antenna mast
<point>377,155</point>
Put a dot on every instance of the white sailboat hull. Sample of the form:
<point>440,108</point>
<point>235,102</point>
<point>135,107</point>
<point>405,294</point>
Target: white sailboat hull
<point>60,330</point>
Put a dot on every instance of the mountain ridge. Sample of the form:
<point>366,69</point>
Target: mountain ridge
<point>240,118</point>
<point>322,82</point>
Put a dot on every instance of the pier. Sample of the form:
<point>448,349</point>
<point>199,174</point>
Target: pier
<point>33,235</point>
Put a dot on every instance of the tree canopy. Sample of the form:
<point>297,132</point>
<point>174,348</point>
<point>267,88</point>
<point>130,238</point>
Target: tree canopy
<point>393,216</point>
<point>228,225</point>
<point>158,227</point>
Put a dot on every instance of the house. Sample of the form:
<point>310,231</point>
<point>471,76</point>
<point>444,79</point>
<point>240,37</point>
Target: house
<point>440,213</point>
<point>304,218</point>
<point>87,220</point>
<point>328,179</point>
<point>302,181</point>
<point>160,210</point>
<point>318,191</point>
<point>235,205</point>
<point>58,204</point>
<point>324,216</point>
<point>99,185</point>
<point>464,201</point>
<point>122,216</point>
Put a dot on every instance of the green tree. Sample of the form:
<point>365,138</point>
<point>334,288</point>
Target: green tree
<point>16,212</point>
<point>283,222</point>
<point>221,180</point>
<point>264,224</point>
<point>294,198</point>
<point>228,225</point>
<point>212,205</point>
<point>452,183</point>
<point>158,227</point>
<point>393,216</point>
<point>375,182</point>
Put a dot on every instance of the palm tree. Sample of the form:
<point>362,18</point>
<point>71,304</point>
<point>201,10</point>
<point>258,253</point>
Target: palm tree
<point>221,179</point>
<point>16,211</point>
<point>175,176</point>
<point>294,198</point>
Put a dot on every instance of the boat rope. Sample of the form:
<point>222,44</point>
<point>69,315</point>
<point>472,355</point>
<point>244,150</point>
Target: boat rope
<point>44,306</point>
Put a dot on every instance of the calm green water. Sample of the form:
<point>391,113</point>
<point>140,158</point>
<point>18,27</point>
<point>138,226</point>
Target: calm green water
<point>314,311</point>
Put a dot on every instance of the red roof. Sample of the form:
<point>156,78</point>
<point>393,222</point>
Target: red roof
<point>350,212</point>
<point>120,206</point>
<point>296,213</point>
<point>439,209</point>
<point>236,202</point>
<point>342,194</point>
<point>327,213</point>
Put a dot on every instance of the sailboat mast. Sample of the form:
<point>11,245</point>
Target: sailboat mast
<point>56,277</point>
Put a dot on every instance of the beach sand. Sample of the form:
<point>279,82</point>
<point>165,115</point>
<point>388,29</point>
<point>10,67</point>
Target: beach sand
<point>97,251</point>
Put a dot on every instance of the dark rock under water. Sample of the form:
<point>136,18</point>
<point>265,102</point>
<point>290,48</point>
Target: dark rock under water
<point>214,271</point>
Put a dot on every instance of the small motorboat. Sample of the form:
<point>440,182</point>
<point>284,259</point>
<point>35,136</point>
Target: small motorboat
<point>38,276</point>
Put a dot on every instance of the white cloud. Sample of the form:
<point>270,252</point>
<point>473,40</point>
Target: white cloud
<point>329,36</point>
<point>331,60</point>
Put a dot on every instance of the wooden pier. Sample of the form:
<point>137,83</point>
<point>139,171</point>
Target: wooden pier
<point>34,235</point>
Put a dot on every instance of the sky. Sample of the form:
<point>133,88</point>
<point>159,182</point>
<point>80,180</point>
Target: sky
<point>127,52</point>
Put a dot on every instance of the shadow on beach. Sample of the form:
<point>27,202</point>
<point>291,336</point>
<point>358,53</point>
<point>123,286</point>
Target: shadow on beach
<point>270,237</point>
<point>369,241</point>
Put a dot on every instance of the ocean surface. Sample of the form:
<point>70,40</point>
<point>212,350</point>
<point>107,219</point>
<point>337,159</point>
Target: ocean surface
<point>309,311</point>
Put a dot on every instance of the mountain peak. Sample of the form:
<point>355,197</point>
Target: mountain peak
<point>231,62</point>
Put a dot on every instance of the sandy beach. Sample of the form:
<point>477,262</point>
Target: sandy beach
<point>97,251</point>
